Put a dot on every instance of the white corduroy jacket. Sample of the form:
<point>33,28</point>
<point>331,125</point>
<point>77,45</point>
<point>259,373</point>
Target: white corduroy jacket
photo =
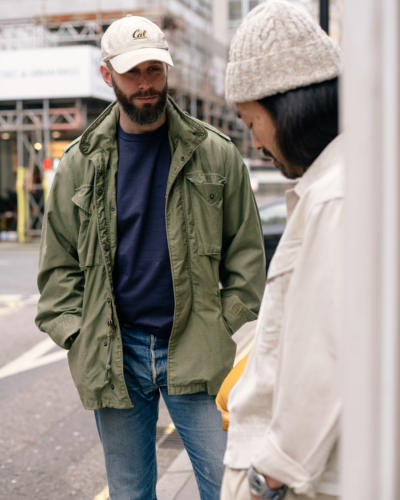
<point>285,409</point>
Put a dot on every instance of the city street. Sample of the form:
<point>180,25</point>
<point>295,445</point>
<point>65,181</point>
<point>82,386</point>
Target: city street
<point>49,447</point>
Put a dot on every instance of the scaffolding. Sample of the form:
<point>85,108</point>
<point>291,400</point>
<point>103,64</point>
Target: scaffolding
<point>193,82</point>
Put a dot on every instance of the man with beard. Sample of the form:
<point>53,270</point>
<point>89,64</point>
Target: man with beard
<point>151,258</point>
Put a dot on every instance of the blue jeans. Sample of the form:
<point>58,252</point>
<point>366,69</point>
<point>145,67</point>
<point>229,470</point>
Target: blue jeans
<point>129,436</point>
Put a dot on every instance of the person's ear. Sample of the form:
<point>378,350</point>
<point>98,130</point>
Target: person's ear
<point>106,74</point>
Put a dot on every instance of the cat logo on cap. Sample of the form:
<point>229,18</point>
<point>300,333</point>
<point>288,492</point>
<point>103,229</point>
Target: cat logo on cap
<point>139,34</point>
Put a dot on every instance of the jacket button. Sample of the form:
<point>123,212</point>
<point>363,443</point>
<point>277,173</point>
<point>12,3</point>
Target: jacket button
<point>212,196</point>
<point>100,191</point>
<point>112,386</point>
<point>182,158</point>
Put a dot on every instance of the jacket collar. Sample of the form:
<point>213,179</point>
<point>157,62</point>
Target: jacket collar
<point>182,129</point>
<point>182,126</point>
<point>325,162</point>
<point>101,133</point>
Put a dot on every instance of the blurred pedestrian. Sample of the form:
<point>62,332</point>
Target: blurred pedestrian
<point>284,410</point>
<point>151,258</point>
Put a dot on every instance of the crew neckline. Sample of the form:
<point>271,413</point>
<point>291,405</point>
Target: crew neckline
<point>145,136</point>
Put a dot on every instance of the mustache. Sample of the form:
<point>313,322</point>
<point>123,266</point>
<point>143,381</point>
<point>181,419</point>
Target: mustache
<point>146,93</point>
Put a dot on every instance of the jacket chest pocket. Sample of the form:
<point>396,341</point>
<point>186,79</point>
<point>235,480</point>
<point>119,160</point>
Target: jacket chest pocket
<point>88,245</point>
<point>279,277</point>
<point>206,209</point>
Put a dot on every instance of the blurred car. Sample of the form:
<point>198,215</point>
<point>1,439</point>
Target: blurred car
<point>273,219</point>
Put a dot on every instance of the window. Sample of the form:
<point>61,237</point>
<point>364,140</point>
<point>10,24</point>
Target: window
<point>235,10</point>
<point>274,213</point>
<point>253,3</point>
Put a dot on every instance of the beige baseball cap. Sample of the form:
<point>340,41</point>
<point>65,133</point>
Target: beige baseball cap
<point>132,40</point>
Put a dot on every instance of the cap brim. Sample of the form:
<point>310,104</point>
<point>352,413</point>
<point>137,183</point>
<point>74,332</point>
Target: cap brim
<point>128,60</point>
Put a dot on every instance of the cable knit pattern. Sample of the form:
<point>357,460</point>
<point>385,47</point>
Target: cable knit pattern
<point>278,47</point>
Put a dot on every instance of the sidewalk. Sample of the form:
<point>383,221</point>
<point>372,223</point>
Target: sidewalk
<point>178,483</point>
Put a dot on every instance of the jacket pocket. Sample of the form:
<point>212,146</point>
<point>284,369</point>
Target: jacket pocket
<point>88,246</point>
<point>284,258</point>
<point>206,207</point>
<point>279,278</point>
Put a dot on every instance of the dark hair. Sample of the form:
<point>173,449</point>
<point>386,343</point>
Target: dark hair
<point>306,120</point>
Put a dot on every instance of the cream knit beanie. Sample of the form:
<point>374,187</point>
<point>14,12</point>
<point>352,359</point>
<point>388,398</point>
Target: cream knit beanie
<point>278,47</point>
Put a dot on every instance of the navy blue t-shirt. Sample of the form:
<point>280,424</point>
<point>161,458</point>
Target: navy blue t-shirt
<point>143,281</point>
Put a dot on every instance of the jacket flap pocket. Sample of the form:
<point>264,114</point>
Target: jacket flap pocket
<point>88,243</point>
<point>284,258</point>
<point>209,186</point>
<point>83,198</point>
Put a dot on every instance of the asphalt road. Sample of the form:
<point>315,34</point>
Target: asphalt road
<point>49,448</point>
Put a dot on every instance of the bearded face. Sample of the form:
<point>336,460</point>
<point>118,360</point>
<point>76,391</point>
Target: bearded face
<point>147,112</point>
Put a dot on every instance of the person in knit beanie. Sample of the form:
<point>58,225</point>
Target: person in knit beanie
<point>282,77</point>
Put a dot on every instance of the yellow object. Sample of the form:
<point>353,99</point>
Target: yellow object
<point>103,495</point>
<point>57,148</point>
<point>21,203</point>
<point>223,394</point>
<point>45,185</point>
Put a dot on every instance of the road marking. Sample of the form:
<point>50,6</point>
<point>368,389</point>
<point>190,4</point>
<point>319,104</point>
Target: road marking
<point>32,299</point>
<point>103,495</point>
<point>169,429</point>
<point>9,303</point>
<point>167,432</point>
<point>33,358</point>
<point>12,302</point>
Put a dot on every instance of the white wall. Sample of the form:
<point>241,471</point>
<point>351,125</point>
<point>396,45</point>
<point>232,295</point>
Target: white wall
<point>371,347</point>
<point>11,9</point>
<point>61,72</point>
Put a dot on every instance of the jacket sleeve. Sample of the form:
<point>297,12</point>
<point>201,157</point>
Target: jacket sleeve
<point>305,418</point>
<point>242,269</point>
<point>60,279</point>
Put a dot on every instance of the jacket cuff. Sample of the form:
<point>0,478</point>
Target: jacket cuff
<point>64,328</point>
<point>275,463</point>
<point>236,313</point>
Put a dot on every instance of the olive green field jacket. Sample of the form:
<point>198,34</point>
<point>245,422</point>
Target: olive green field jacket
<point>216,252</point>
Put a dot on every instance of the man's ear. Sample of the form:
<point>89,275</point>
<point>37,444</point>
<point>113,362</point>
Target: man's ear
<point>106,74</point>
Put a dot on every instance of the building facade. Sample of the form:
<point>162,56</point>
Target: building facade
<point>51,88</point>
